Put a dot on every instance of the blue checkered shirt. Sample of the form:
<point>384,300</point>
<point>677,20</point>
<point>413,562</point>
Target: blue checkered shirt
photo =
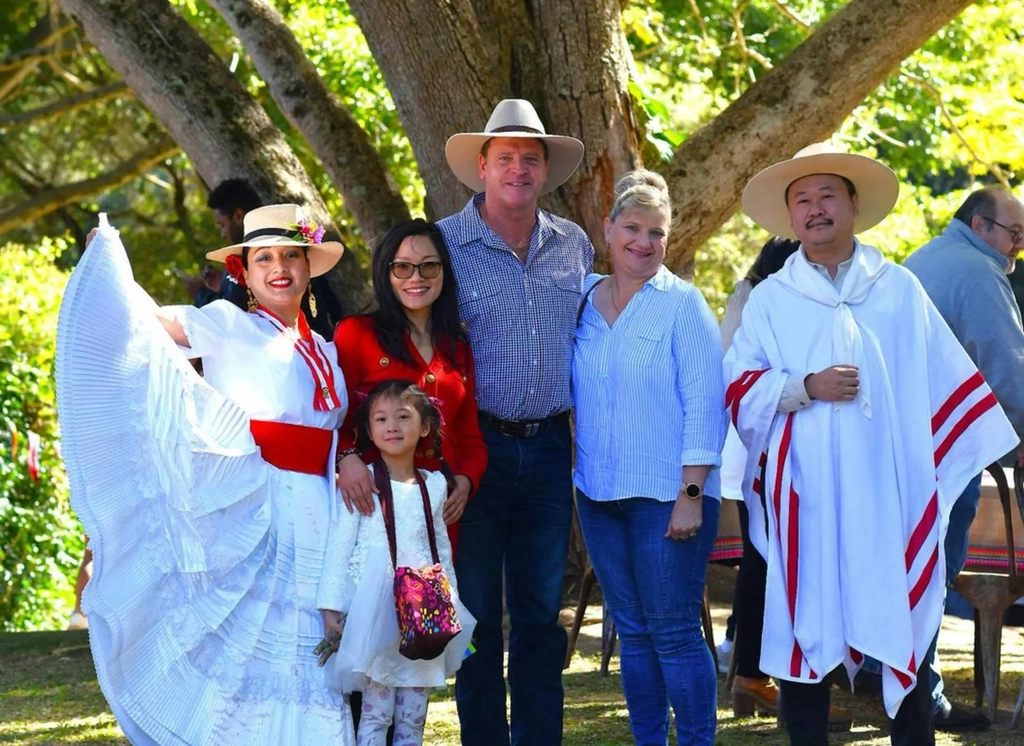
<point>521,317</point>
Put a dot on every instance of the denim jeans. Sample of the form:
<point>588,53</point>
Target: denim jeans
<point>518,521</point>
<point>654,588</point>
<point>960,519</point>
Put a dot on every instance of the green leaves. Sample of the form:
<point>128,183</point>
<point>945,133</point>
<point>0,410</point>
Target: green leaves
<point>40,539</point>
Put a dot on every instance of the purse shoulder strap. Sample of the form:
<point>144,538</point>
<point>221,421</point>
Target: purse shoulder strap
<point>387,507</point>
<point>428,515</point>
<point>583,300</point>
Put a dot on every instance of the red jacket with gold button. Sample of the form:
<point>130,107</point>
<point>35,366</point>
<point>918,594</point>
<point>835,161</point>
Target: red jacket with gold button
<point>365,364</point>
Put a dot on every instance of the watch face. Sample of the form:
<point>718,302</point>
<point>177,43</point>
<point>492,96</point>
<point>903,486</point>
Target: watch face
<point>692,490</point>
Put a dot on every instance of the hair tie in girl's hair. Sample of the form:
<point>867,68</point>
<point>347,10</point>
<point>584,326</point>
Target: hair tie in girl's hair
<point>437,405</point>
<point>235,270</point>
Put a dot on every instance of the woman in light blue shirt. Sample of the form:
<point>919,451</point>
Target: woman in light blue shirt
<point>650,422</point>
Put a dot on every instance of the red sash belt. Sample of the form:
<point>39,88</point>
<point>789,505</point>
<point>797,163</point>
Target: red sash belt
<point>293,447</point>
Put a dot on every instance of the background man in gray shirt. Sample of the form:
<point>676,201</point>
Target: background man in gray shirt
<point>964,273</point>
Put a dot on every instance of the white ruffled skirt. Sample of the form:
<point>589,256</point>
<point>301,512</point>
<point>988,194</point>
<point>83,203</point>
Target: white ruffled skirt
<point>206,560</point>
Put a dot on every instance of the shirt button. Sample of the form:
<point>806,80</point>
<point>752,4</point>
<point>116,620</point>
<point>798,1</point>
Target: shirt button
<point>531,391</point>
<point>534,362</point>
<point>384,362</point>
<point>430,378</point>
<point>430,453</point>
<point>474,293</point>
<point>529,302</point>
<point>533,331</point>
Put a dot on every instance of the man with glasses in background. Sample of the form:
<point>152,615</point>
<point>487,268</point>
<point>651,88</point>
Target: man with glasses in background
<point>964,271</point>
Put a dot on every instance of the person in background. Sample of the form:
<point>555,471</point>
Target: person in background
<point>964,271</point>
<point>752,690</point>
<point>229,201</point>
<point>78,618</point>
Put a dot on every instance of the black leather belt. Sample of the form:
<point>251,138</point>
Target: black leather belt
<point>523,428</point>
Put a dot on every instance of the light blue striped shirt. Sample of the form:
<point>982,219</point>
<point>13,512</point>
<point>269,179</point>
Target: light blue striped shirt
<point>648,393</point>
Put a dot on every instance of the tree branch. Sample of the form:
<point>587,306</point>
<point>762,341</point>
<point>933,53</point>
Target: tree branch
<point>791,15</point>
<point>21,64</point>
<point>224,131</point>
<point>993,168</point>
<point>62,107</point>
<point>36,54</point>
<point>48,200</point>
<point>802,100</point>
<point>441,77</point>
<point>344,149</point>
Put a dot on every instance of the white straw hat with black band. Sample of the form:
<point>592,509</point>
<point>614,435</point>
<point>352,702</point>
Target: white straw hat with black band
<point>284,225</point>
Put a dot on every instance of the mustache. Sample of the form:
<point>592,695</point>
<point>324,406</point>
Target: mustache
<point>814,222</point>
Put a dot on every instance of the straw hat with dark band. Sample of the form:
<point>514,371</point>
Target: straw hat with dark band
<point>764,198</point>
<point>513,117</point>
<point>283,225</point>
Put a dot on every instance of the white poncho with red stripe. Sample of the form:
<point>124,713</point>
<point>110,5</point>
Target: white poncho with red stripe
<point>849,502</point>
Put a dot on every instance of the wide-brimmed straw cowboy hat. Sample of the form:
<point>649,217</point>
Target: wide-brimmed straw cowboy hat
<point>284,225</point>
<point>764,198</point>
<point>513,117</point>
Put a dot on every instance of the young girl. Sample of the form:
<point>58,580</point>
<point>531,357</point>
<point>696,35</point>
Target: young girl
<point>356,593</point>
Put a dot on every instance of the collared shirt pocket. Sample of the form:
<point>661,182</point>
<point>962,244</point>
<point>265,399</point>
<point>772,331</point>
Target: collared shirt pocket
<point>480,307</point>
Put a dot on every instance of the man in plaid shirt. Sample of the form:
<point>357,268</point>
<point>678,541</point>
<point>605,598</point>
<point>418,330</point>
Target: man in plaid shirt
<point>520,271</point>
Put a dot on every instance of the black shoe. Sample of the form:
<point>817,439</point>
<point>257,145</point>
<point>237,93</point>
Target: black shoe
<point>957,717</point>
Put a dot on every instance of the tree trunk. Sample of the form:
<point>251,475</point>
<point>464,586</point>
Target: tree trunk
<point>221,128</point>
<point>441,78</point>
<point>339,142</point>
<point>802,100</point>
<point>568,57</point>
<point>587,65</point>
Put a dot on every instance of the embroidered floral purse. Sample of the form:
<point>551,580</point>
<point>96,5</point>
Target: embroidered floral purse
<point>427,620</point>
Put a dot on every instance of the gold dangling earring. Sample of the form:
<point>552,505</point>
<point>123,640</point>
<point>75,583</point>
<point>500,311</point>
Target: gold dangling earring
<point>253,303</point>
<point>312,301</point>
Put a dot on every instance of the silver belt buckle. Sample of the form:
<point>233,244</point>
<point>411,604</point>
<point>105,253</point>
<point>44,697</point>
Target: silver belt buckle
<point>532,429</point>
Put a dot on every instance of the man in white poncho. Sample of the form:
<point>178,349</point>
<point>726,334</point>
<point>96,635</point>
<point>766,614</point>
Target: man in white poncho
<point>864,419</point>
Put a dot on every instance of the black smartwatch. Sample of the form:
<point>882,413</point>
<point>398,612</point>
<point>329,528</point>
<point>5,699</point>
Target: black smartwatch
<point>693,491</point>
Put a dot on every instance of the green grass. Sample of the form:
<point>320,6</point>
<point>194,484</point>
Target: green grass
<point>49,695</point>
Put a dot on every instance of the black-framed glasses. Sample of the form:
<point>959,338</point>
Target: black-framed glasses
<point>1016,234</point>
<point>428,270</point>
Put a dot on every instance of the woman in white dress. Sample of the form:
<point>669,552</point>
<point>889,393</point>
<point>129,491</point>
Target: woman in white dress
<point>207,502</point>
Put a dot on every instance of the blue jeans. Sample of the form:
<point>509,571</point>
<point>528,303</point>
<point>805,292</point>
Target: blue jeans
<point>654,589</point>
<point>518,521</point>
<point>960,519</point>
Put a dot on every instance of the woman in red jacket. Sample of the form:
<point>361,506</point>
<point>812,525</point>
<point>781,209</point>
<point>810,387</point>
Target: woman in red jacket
<point>414,334</point>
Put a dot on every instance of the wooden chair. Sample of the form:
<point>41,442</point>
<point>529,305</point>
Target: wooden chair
<point>608,634</point>
<point>991,594</point>
<point>1018,485</point>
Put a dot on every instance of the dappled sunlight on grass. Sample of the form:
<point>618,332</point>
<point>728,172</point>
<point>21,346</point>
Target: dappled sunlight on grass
<point>49,695</point>
<point>101,729</point>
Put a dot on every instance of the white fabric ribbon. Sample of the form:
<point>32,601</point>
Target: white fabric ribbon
<point>867,265</point>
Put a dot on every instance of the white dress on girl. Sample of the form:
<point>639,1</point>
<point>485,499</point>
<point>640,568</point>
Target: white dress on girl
<point>359,581</point>
<point>206,559</point>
